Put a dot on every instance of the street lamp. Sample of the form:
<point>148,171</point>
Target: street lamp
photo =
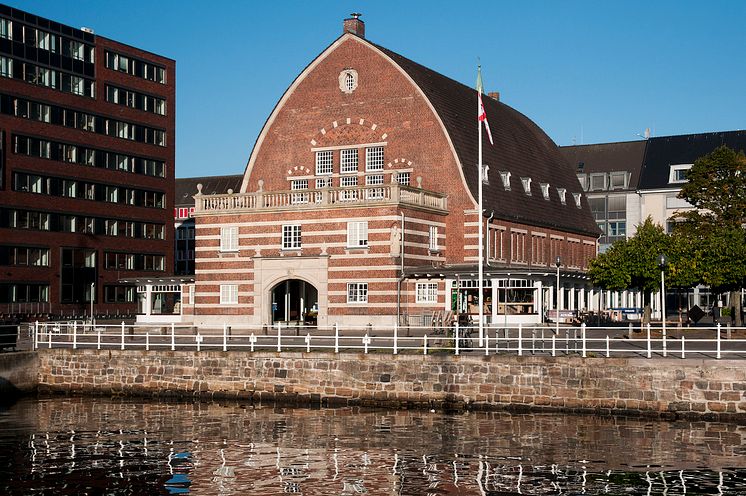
<point>662,261</point>
<point>557,263</point>
<point>93,292</point>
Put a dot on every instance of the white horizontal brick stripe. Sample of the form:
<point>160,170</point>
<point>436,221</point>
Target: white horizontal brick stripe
<point>217,293</point>
<point>370,293</point>
<point>222,307</point>
<point>223,271</point>
<point>367,305</point>
<point>376,267</point>
<point>274,222</point>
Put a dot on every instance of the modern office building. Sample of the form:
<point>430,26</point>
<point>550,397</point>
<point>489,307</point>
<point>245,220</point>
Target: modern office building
<point>86,168</point>
<point>359,205</point>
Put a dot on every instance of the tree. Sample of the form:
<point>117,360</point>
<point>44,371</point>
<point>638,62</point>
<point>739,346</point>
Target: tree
<point>633,263</point>
<point>712,237</point>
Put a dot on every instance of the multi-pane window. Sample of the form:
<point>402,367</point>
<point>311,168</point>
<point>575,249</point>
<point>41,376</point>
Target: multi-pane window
<point>291,239</point>
<point>229,238</point>
<point>357,234</point>
<point>24,256</point>
<point>618,180</point>
<point>562,192</point>
<point>505,177</point>
<point>5,28</point>
<point>6,67</point>
<point>597,182</point>
<point>526,181</point>
<point>374,158</point>
<point>324,162</point>
<point>403,178</point>
<point>374,180</point>
<point>348,182</point>
<point>297,185</point>
<point>229,294</point>
<point>433,239</point>
<point>348,160</point>
<point>135,67</point>
<point>357,292</point>
<point>119,294</point>
<point>427,292</point>
<point>136,100</point>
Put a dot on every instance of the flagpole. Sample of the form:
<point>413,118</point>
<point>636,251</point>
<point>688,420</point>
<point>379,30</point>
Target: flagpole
<point>481,234</point>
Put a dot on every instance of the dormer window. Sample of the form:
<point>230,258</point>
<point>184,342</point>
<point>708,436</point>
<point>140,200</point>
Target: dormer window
<point>545,190</point>
<point>598,182</point>
<point>485,174</point>
<point>562,193</point>
<point>677,173</point>
<point>618,180</point>
<point>505,176</point>
<point>526,181</point>
<point>583,180</point>
<point>577,199</point>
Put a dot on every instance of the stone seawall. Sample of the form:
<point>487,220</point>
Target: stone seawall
<point>688,388</point>
<point>18,373</point>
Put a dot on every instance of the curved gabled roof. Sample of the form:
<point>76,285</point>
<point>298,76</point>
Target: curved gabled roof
<point>521,148</point>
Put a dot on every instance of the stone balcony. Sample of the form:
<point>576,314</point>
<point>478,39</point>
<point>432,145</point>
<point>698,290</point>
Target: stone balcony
<point>315,199</point>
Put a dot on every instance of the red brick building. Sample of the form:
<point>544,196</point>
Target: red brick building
<point>86,168</point>
<point>359,204</point>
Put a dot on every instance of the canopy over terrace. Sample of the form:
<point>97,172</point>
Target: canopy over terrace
<point>511,294</point>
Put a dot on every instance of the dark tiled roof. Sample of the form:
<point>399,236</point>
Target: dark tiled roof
<point>186,187</point>
<point>521,148</point>
<point>608,157</point>
<point>664,151</point>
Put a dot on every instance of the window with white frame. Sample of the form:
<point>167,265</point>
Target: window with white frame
<point>403,178</point>
<point>324,162</point>
<point>229,238</point>
<point>677,173</point>
<point>526,181</point>
<point>357,234</point>
<point>374,180</point>
<point>577,199</point>
<point>598,182</point>
<point>433,239</point>
<point>323,182</point>
<point>583,180</point>
<point>427,292</point>
<point>357,292</point>
<point>291,237</point>
<point>229,294</point>
<point>374,158</point>
<point>562,192</point>
<point>505,176</point>
<point>348,161</point>
<point>617,180</point>
<point>297,185</point>
<point>348,182</point>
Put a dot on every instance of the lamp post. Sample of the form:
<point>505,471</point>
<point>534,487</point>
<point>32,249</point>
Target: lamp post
<point>557,263</point>
<point>662,261</point>
<point>93,292</point>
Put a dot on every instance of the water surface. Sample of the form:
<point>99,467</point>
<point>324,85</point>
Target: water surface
<point>64,445</point>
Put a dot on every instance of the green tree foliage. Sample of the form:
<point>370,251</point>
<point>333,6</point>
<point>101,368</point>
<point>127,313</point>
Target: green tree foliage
<point>712,239</point>
<point>633,263</point>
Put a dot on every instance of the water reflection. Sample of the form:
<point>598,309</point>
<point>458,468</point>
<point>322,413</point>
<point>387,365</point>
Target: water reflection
<point>103,446</point>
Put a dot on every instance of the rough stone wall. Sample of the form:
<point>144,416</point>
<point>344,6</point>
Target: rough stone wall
<point>18,372</point>
<point>668,388</point>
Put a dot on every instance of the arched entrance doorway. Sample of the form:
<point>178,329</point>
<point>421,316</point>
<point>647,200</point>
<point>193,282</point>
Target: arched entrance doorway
<point>294,301</point>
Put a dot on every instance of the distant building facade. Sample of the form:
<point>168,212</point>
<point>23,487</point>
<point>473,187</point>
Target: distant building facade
<point>87,134</point>
<point>655,170</point>
<point>359,205</point>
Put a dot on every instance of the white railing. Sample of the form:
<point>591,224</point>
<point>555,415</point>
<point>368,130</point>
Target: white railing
<point>316,198</point>
<point>648,342</point>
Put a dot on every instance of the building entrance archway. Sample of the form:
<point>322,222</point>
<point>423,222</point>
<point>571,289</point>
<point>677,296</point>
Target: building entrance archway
<point>294,301</point>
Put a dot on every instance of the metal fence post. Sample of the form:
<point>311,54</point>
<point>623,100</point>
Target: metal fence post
<point>49,335</point>
<point>582,337</point>
<point>225,337</point>
<point>486,343</point>
<point>554,345</point>
<point>308,342</point>
<point>198,340</point>
<point>608,351</point>
<point>36,335</point>
<point>75,340</point>
<point>650,351</point>
<point>455,334</point>
<point>252,340</point>
<point>520,339</point>
<point>424,344</point>
<point>366,342</point>
<point>122,334</point>
<point>683,352</point>
<point>533,342</point>
<point>396,338</point>
<point>336,337</point>
<point>718,342</point>
<point>147,340</point>
<point>664,343</point>
<point>279,337</point>
<point>173,337</point>
<point>98,338</point>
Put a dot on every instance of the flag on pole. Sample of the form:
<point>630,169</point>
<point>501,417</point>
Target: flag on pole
<point>481,114</point>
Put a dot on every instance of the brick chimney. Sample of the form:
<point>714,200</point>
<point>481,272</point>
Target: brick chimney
<point>354,25</point>
<point>495,95</point>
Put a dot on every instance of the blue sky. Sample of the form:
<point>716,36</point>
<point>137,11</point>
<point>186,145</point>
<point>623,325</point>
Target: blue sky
<point>585,71</point>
